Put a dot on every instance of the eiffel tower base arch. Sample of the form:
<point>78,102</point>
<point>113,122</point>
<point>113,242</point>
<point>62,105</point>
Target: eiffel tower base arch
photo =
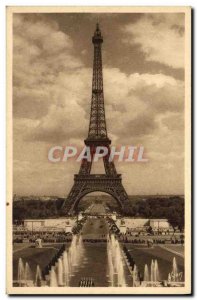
<point>84,185</point>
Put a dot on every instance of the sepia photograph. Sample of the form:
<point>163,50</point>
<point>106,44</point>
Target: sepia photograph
<point>99,150</point>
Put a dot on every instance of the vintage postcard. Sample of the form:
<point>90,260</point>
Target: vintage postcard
<point>99,150</point>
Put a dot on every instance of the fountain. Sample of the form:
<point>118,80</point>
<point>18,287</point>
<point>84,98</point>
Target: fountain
<point>135,276</point>
<point>38,279</point>
<point>64,267</point>
<point>119,266</point>
<point>24,277</point>
<point>154,273</point>
<point>60,272</point>
<point>21,272</point>
<point>53,278</point>
<point>175,276</point>
<point>146,273</point>
<point>75,250</point>
<point>115,262</point>
<point>174,273</point>
<point>28,278</point>
<point>111,268</point>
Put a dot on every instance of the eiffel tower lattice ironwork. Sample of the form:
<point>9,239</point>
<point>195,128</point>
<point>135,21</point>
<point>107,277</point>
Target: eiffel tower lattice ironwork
<point>84,182</point>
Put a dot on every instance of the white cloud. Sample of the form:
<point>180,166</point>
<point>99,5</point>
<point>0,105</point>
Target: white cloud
<point>160,36</point>
<point>41,53</point>
<point>134,102</point>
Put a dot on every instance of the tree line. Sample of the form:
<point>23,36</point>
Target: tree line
<point>171,208</point>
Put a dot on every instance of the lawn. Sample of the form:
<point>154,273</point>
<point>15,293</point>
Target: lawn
<point>20,246</point>
<point>143,255</point>
<point>177,248</point>
<point>34,256</point>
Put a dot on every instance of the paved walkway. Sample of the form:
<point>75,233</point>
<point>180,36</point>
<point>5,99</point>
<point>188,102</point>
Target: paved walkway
<point>96,209</point>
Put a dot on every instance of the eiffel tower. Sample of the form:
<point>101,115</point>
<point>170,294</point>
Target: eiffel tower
<point>84,182</point>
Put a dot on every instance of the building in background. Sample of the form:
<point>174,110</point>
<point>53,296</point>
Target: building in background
<point>65,224</point>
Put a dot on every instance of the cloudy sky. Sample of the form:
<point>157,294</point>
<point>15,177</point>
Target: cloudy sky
<point>143,60</point>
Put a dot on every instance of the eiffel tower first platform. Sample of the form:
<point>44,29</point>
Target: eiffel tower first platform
<point>84,182</point>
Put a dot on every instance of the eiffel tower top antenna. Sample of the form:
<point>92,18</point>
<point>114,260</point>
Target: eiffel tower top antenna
<point>97,127</point>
